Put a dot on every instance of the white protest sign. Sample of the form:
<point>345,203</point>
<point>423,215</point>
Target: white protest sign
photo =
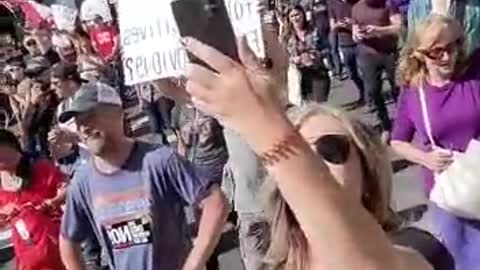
<point>64,17</point>
<point>150,37</point>
<point>91,8</point>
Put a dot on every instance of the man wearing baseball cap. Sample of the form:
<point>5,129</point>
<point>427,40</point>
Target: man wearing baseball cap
<point>131,195</point>
<point>65,145</point>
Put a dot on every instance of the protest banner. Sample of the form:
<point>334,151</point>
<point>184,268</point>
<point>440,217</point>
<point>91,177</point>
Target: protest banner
<point>64,17</point>
<point>91,8</point>
<point>150,37</point>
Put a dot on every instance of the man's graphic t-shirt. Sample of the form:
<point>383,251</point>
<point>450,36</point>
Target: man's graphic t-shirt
<point>137,212</point>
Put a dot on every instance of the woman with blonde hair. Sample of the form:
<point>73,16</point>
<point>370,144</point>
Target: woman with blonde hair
<point>358,161</point>
<point>440,103</point>
<point>322,187</point>
<point>356,158</point>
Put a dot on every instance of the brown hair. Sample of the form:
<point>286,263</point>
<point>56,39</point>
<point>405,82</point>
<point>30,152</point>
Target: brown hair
<point>82,45</point>
<point>289,247</point>
<point>288,30</point>
<point>411,69</point>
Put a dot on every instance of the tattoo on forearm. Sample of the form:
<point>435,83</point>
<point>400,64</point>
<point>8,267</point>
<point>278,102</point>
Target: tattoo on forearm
<point>283,149</point>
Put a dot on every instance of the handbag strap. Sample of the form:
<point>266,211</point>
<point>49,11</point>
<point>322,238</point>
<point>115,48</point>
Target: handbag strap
<point>426,118</point>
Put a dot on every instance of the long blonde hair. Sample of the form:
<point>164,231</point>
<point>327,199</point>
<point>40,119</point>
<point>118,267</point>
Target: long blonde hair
<point>288,248</point>
<point>411,69</point>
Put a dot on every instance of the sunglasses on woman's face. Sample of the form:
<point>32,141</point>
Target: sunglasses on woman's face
<point>333,148</point>
<point>436,53</point>
<point>30,43</point>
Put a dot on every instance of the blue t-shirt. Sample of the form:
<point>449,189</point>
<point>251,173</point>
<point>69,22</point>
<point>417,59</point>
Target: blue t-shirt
<point>137,213</point>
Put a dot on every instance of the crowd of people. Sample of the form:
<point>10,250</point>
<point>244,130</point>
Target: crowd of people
<point>307,186</point>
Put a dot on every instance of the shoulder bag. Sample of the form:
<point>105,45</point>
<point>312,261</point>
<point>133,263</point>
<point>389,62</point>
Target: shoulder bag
<point>457,189</point>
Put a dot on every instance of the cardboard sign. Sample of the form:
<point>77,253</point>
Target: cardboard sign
<point>150,37</point>
<point>64,17</point>
<point>91,8</point>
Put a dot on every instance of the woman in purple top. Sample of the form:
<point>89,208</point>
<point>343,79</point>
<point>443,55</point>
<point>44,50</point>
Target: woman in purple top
<point>435,61</point>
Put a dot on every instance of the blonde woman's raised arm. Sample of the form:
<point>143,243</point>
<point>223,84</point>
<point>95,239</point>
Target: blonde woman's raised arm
<point>341,234</point>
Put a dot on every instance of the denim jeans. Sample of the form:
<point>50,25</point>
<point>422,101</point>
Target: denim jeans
<point>92,252</point>
<point>315,84</point>
<point>460,236</point>
<point>372,65</point>
<point>334,52</point>
<point>349,57</point>
<point>37,144</point>
<point>37,134</point>
<point>159,116</point>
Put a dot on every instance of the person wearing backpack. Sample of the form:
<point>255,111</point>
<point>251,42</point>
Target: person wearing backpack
<point>30,198</point>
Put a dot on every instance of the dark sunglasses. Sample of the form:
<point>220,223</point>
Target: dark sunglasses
<point>437,53</point>
<point>30,43</point>
<point>334,148</point>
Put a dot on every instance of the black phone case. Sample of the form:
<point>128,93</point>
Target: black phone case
<point>207,21</point>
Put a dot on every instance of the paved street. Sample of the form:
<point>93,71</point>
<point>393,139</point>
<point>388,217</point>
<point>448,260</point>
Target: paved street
<point>407,183</point>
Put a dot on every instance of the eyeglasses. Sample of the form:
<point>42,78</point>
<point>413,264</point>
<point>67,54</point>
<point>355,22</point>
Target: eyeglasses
<point>333,148</point>
<point>436,53</point>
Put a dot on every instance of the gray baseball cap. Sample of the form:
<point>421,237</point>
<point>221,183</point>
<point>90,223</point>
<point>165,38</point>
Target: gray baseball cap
<point>88,97</point>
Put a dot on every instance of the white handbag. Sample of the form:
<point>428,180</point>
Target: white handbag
<point>457,189</point>
<point>294,85</point>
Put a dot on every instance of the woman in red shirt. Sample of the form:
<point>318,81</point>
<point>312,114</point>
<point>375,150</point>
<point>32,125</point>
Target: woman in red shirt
<point>30,197</point>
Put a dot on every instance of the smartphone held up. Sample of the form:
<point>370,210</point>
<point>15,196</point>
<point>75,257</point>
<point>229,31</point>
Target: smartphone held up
<point>150,32</point>
<point>208,22</point>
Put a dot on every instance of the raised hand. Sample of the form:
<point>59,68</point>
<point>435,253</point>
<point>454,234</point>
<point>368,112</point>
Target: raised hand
<point>242,95</point>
